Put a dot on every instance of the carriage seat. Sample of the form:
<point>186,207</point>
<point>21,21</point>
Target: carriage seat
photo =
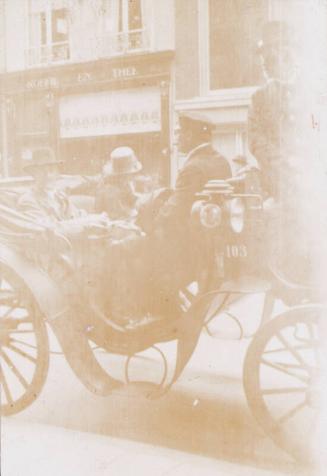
<point>17,222</point>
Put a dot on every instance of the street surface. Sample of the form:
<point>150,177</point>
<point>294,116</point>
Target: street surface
<point>201,427</point>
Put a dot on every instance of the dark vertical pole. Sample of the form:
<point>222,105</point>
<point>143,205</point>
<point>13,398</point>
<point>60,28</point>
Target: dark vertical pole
<point>4,139</point>
<point>50,103</point>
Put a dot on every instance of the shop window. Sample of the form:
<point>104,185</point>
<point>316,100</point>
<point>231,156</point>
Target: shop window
<point>49,36</point>
<point>234,28</point>
<point>33,117</point>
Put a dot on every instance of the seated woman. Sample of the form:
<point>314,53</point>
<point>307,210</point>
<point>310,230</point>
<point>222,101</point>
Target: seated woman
<point>115,194</point>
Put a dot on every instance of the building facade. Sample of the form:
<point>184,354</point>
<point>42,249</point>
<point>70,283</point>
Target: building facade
<point>215,45</point>
<point>85,76</point>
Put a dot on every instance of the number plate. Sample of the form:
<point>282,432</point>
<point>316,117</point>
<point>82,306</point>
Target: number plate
<point>236,251</point>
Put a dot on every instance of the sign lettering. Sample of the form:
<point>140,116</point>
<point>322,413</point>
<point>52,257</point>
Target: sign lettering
<point>128,72</point>
<point>84,77</point>
<point>42,83</point>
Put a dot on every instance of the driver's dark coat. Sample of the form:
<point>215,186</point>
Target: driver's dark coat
<point>282,125</point>
<point>178,247</point>
<point>283,133</point>
<point>203,164</point>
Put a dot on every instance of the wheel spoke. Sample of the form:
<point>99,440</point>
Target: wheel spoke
<point>14,369</point>
<point>276,391</point>
<point>291,349</point>
<point>315,347</point>
<point>8,294</point>
<point>283,349</point>
<point>282,368</point>
<point>22,331</point>
<point>24,343</point>
<point>22,353</point>
<point>292,412</point>
<point>6,389</point>
<point>4,316</point>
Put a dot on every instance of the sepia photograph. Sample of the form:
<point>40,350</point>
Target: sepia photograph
<point>163,237</point>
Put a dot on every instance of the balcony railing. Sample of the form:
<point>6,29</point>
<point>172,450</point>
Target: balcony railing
<point>121,43</point>
<point>48,54</point>
<point>102,46</point>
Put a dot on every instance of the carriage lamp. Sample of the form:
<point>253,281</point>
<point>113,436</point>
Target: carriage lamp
<point>207,214</point>
<point>237,211</point>
<point>210,215</point>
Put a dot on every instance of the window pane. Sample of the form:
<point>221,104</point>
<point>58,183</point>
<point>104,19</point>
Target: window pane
<point>134,15</point>
<point>43,20</point>
<point>120,16</point>
<point>234,29</point>
<point>59,25</point>
<point>60,48</point>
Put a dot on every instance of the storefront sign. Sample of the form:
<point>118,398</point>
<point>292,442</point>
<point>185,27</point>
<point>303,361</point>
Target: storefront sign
<point>127,72</point>
<point>129,111</point>
<point>154,67</point>
<point>42,83</point>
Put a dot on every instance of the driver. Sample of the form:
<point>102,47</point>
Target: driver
<point>282,136</point>
<point>178,249</point>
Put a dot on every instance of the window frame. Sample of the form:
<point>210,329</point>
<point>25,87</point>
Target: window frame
<point>125,16</point>
<point>238,93</point>
<point>50,44</point>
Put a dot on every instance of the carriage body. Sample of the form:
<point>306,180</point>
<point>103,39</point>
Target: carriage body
<point>282,368</point>
<point>36,292</point>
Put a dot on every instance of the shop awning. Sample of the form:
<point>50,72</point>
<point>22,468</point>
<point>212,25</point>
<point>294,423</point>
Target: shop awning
<point>218,116</point>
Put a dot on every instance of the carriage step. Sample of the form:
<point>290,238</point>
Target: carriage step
<point>245,285</point>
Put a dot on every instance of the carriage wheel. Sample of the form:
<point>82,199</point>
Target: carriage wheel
<point>280,377</point>
<point>24,351</point>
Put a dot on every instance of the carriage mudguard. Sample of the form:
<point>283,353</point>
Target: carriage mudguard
<point>71,336</point>
<point>50,299</point>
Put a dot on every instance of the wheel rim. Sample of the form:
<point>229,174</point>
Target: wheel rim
<point>281,375</point>
<point>24,351</point>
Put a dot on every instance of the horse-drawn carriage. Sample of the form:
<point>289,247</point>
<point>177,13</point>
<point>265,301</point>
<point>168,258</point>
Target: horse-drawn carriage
<point>40,286</point>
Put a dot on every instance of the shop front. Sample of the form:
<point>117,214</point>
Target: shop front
<point>227,120</point>
<point>84,111</point>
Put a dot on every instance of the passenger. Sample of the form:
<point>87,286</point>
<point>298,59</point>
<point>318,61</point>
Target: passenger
<point>43,201</point>
<point>52,208</point>
<point>115,193</point>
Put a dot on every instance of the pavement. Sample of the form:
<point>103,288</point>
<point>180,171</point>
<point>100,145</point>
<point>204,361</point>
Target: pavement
<point>30,449</point>
<point>201,427</point>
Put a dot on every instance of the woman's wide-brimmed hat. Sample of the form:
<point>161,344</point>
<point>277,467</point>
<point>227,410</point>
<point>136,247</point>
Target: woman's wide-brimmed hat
<point>123,161</point>
<point>42,157</point>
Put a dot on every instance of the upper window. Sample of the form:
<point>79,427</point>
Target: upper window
<point>124,25</point>
<point>130,17</point>
<point>234,29</point>
<point>48,36</point>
